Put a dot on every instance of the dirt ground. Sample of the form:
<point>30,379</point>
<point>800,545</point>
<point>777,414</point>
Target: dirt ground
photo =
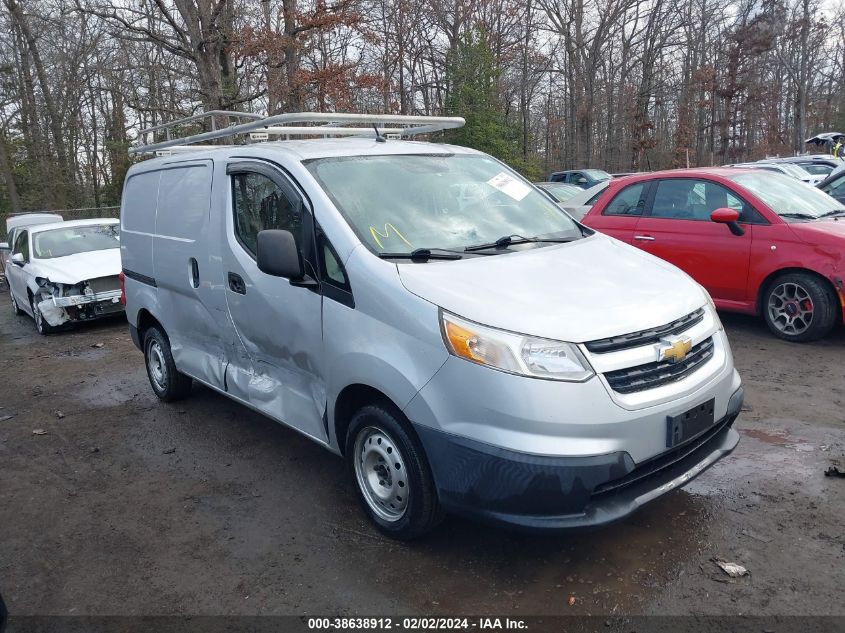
<point>129,506</point>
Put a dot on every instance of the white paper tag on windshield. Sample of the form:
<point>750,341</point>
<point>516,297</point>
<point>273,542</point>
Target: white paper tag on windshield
<point>509,185</point>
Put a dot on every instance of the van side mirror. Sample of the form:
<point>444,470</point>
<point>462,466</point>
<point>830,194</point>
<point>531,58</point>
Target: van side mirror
<point>729,217</point>
<point>278,254</point>
<point>17,259</point>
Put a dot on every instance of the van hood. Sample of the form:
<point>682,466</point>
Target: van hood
<point>577,292</point>
<point>80,267</point>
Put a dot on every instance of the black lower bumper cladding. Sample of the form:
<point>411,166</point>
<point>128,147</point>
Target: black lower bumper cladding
<point>542,493</point>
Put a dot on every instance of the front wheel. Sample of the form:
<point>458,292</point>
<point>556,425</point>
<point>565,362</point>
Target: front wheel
<point>799,307</point>
<point>168,383</point>
<point>41,324</point>
<point>391,473</point>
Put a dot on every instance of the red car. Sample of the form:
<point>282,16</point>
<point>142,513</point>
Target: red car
<point>760,243</point>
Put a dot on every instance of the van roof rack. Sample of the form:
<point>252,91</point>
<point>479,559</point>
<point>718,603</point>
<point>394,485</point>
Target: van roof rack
<point>292,124</point>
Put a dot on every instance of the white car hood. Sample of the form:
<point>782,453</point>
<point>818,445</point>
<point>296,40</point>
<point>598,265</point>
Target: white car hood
<point>80,267</point>
<point>580,291</point>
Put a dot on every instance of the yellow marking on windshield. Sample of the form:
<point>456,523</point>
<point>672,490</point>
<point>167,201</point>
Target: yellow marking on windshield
<point>387,228</point>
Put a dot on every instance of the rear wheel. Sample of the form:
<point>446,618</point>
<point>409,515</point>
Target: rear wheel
<point>799,307</point>
<point>391,473</point>
<point>41,324</point>
<point>167,382</point>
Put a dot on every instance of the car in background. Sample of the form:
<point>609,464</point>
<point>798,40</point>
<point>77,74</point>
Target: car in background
<point>834,185</point>
<point>836,171</point>
<point>759,242</point>
<point>788,169</point>
<point>584,178</point>
<point>578,205</point>
<point>815,164</point>
<point>66,272</point>
<point>18,220</point>
<point>559,191</point>
<point>796,170</point>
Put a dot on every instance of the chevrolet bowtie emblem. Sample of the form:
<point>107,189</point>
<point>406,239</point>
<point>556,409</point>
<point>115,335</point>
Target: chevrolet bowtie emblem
<point>674,348</point>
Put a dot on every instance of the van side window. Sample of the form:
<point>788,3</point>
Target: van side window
<point>261,204</point>
<point>332,270</point>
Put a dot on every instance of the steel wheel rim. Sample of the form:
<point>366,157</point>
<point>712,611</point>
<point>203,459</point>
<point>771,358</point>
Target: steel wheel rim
<point>156,365</point>
<point>791,308</point>
<point>381,474</point>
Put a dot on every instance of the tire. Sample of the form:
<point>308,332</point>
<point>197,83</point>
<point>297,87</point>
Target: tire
<point>16,309</point>
<point>168,383</point>
<point>799,307</point>
<point>391,473</point>
<point>41,325</point>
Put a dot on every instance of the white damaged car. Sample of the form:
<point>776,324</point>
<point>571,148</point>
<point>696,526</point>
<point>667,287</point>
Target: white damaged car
<point>66,272</point>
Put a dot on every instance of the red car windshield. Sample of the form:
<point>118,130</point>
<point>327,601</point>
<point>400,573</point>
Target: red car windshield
<point>786,196</point>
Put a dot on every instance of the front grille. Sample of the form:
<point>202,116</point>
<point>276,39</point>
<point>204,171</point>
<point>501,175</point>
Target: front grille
<point>659,373</point>
<point>644,337</point>
<point>104,284</point>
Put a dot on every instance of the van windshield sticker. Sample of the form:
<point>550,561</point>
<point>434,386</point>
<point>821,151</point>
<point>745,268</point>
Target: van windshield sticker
<point>509,185</point>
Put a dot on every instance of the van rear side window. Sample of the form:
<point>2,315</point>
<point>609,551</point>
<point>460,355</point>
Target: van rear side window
<point>183,200</point>
<point>138,212</point>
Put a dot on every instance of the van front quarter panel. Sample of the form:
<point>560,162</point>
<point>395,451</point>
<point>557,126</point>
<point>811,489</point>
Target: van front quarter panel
<point>390,341</point>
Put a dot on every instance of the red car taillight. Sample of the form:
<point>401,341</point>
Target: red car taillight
<point>122,279</point>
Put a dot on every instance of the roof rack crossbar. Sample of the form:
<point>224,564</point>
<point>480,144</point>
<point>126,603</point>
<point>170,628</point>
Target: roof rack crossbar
<point>282,124</point>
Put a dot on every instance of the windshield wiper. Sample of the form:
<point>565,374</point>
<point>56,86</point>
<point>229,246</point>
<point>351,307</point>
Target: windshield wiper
<point>423,255</point>
<point>832,214</point>
<point>807,216</point>
<point>509,240</point>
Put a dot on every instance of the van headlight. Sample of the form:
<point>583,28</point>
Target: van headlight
<point>514,353</point>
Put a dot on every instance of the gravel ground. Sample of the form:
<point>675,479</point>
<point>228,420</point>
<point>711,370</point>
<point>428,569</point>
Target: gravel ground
<point>127,506</point>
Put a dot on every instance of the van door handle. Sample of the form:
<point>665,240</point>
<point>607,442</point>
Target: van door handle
<point>644,238</point>
<point>195,272</point>
<point>236,283</point>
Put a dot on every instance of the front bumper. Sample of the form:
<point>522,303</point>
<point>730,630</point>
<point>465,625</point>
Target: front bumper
<point>60,310</point>
<point>553,493</point>
<point>111,296</point>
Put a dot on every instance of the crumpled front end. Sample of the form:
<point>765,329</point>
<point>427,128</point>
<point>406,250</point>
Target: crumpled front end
<point>84,301</point>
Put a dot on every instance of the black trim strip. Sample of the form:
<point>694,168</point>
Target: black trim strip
<point>131,274</point>
<point>645,337</point>
<point>665,460</point>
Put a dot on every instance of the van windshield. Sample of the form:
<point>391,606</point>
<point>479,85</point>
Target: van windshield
<point>75,239</point>
<point>400,203</point>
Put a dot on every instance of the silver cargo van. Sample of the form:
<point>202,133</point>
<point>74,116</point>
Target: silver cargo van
<point>425,312</point>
